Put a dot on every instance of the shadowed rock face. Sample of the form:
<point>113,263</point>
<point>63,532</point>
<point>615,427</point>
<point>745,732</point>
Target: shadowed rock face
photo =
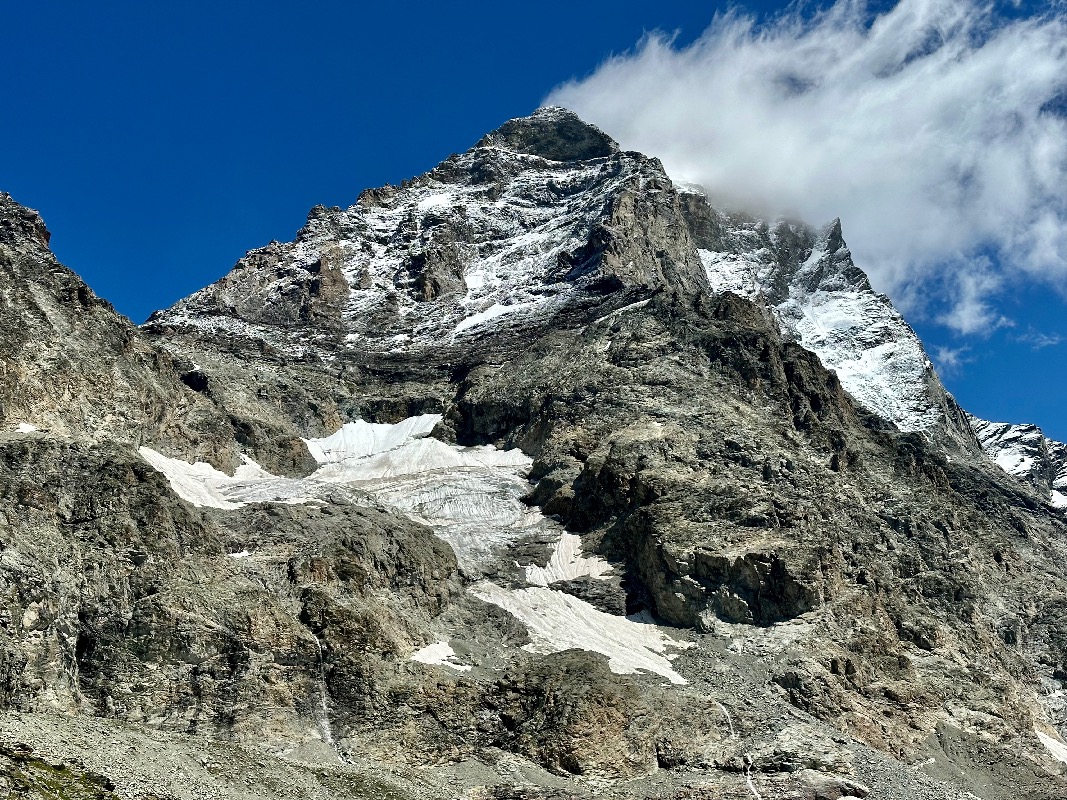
<point>553,133</point>
<point>859,600</point>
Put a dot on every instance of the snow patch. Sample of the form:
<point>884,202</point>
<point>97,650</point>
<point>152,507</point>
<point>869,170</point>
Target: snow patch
<point>204,486</point>
<point>567,563</point>
<point>876,355</point>
<point>443,200</point>
<point>25,427</point>
<point>1025,452</point>
<point>439,653</point>
<point>1057,749</point>
<point>480,318</point>
<point>557,622</point>
<point>728,272</point>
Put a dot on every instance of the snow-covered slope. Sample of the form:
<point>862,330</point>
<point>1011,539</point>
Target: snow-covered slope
<point>496,237</point>
<point>823,299</point>
<point>1024,451</point>
<point>826,302</point>
<point>520,228</point>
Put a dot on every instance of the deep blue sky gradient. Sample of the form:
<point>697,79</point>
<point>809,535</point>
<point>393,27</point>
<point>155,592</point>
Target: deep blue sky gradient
<point>162,141</point>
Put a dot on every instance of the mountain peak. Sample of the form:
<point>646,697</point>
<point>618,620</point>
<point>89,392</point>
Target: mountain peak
<point>18,222</point>
<point>830,238</point>
<point>555,133</point>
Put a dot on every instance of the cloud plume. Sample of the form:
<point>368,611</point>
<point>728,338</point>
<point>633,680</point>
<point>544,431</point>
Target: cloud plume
<point>935,130</point>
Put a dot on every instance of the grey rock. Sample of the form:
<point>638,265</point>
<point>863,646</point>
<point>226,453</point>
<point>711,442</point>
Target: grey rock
<point>553,133</point>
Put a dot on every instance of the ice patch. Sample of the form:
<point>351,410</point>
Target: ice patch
<point>206,487</point>
<point>1056,748</point>
<point>469,495</point>
<point>557,622</point>
<point>440,653</point>
<point>567,563</point>
<point>200,484</point>
<point>361,439</point>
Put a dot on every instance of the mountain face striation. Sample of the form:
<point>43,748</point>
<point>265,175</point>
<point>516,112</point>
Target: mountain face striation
<point>535,476</point>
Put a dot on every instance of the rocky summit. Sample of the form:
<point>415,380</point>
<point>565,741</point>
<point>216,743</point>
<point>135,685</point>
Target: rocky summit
<point>536,476</point>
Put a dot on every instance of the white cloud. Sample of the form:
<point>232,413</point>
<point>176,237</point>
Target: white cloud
<point>1039,340</point>
<point>934,130</point>
<point>971,285</point>
<point>950,360</point>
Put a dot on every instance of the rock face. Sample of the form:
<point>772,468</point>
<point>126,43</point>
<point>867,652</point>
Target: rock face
<point>73,366</point>
<point>824,301</point>
<point>1024,451</point>
<point>70,365</point>
<point>524,395</point>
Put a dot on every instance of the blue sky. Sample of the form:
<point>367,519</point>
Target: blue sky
<point>161,142</point>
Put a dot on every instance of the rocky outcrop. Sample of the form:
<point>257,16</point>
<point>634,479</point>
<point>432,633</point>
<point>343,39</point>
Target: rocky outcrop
<point>553,133</point>
<point>72,366</point>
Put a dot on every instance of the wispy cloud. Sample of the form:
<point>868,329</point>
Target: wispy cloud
<point>1038,340</point>
<point>936,130</point>
<point>950,360</point>
<point>971,285</point>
